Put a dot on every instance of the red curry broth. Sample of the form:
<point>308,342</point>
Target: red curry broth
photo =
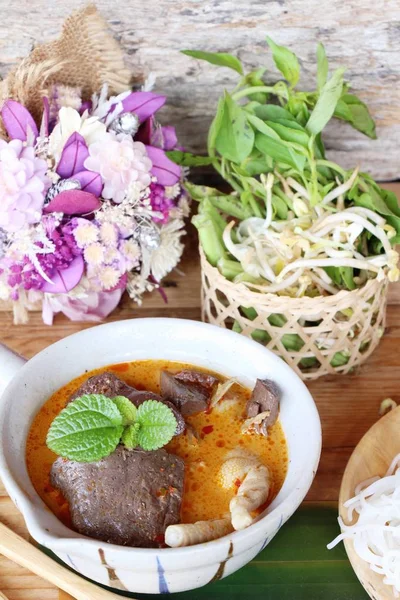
<point>218,431</point>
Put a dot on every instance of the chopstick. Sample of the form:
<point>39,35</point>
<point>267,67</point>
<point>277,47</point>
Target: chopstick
<point>23,553</point>
<point>4,597</point>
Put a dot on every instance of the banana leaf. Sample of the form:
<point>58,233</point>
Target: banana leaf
<point>296,565</point>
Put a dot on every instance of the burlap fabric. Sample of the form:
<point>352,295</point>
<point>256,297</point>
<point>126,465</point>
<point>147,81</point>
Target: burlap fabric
<point>85,56</point>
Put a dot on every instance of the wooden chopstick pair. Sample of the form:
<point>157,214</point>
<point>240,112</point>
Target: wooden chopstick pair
<point>26,555</point>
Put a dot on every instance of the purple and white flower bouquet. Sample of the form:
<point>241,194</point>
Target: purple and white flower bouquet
<point>90,204</point>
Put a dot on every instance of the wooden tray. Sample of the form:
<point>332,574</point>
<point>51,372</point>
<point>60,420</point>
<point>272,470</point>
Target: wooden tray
<point>348,407</point>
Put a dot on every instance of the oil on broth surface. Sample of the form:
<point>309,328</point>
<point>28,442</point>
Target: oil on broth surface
<point>218,432</point>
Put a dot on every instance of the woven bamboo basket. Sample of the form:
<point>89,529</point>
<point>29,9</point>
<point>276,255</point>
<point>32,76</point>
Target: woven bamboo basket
<point>349,323</point>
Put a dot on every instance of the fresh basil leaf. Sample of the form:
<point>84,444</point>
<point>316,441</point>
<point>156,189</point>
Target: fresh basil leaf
<point>361,119</point>
<point>229,268</point>
<point>127,409</point>
<point>270,112</point>
<point>277,320</point>
<point>339,359</point>
<point>326,103</point>
<point>290,134</point>
<point>292,341</point>
<point>87,429</point>
<point>251,107</point>
<point>319,144</point>
<point>254,79</point>
<point>210,237</point>
<point>256,166</point>
<point>308,362</point>
<point>291,124</point>
<point>347,277</point>
<point>157,425</point>
<point>374,202</point>
<point>334,274</point>
<point>350,109</point>
<point>322,69</point>
<point>215,126</point>
<point>279,152</point>
<point>298,107</point>
<point>186,159</point>
<point>391,201</point>
<point>280,207</point>
<point>221,59</point>
<point>342,111</point>
<point>235,139</point>
<point>384,203</point>
<point>198,192</point>
<point>263,127</point>
<point>285,61</point>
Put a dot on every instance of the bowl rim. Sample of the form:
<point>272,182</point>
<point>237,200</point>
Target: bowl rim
<point>77,543</point>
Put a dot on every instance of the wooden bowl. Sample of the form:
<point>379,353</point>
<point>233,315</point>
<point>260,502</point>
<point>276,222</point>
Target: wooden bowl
<point>371,457</point>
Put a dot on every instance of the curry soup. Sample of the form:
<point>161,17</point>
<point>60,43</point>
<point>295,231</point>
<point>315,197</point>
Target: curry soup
<point>203,446</point>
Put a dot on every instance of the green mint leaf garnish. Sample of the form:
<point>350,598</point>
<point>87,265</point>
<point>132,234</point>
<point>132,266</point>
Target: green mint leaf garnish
<point>127,409</point>
<point>87,429</point>
<point>157,425</point>
<point>130,436</point>
<point>91,427</point>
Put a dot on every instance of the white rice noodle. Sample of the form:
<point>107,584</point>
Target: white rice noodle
<point>376,534</point>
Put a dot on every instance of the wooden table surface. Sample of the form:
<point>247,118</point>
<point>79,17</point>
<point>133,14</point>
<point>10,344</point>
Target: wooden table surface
<point>348,405</point>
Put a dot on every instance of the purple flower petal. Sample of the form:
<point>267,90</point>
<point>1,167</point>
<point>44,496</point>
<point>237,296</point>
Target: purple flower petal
<point>144,104</point>
<point>74,137</point>
<point>66,279</point>
<point>166,171</point>
<point>44,127</point>
<point>73,156</point>
<point>170,139</point>
<point>85,106</point>
<point>18,121</point>
<point>90,182</point>
<point>73,202</point>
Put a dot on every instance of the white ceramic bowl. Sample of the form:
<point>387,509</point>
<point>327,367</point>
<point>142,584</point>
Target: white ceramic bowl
<point>228,353</point>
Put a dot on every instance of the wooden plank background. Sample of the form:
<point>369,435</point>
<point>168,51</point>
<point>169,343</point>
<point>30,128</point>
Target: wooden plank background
<point>361,34</point>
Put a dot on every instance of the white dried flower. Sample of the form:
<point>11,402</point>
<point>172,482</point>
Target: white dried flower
<point>108,234</point>
<point>172,191</point>
<point>94,254</point>
<point>109,277</point>
<point>86,234</point>
<point>167,255</point>
<point>70,121</point>
<point>111,255</point>
<point>131,252</point>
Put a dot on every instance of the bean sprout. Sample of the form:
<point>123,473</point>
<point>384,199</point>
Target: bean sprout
<point>290,256</point>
